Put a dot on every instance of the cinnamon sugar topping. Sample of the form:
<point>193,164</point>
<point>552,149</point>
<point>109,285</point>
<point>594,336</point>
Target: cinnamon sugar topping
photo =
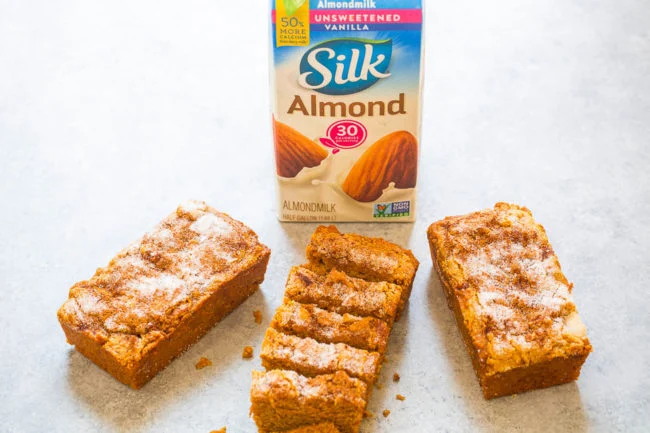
<point>516,296</point>
<point>341,293</point>
<point>154,282</point>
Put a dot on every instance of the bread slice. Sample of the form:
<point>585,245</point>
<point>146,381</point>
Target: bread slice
<point>337,292</point>
<point>373,259</point>
<point>311,358</point>
<point>283,400</point>
<point>307,320</point>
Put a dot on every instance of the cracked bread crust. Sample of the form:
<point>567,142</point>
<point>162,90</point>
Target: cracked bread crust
<point>284,400</point>
<point>311,358</point>
<point>335,291</point>
<point>306,320</point>
<point>372,259</point>
<point>168,287</point>
<point>510,297</point>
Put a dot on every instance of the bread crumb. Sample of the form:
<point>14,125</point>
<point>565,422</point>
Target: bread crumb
<point>221,430</point>
<point>378,385</point>
<point>396,377</point>
<point>203,362</point>
<point>386,412</point>
<point>367,414</point>
<point>258,316</point>
<point>400,397</point>
<point>248,352</point>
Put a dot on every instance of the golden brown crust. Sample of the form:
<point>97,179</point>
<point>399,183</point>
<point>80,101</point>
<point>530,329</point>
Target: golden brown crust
<point>311,358</point>
<point>306,320</point>
<point>507,290</point>
<point>163,292</point>
<point>340,293</point>
<point>373,259</point>
<point>283,400</point>
<point>318,428</point>
<point>544,374</point>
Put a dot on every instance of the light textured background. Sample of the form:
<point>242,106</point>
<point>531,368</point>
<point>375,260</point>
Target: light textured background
<point>113,112</point>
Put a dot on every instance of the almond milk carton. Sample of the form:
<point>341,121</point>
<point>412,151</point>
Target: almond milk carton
<point>346,91</point>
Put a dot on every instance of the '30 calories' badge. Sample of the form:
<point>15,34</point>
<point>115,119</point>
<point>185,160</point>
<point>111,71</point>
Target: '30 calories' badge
<point>344,134</point>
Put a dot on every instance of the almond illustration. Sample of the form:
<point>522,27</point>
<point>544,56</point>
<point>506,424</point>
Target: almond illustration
<point>393,158</point>
<point>294,151</point>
